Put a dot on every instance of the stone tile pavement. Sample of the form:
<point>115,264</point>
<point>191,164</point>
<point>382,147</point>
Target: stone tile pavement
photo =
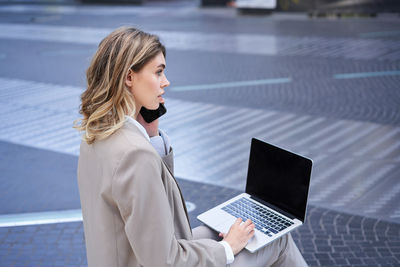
<point>328,238</point>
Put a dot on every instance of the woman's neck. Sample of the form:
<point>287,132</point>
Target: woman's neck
<point>137,112</point>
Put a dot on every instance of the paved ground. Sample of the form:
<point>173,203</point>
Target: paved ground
<point>326,88</point>
<point>329,238</point>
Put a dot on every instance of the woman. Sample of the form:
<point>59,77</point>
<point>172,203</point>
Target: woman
<point>132,207</point>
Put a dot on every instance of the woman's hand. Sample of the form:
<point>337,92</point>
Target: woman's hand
<point>239,235</point>
<point>151,128</point>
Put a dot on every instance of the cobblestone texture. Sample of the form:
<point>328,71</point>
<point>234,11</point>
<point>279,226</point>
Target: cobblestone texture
<point>328,238</point>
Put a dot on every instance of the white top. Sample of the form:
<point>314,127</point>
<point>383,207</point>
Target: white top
<point>161,143</point>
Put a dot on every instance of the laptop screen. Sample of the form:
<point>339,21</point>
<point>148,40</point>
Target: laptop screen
<point>279,177</point>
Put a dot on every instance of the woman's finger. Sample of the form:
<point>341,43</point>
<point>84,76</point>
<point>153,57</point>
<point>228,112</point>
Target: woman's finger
<point>250,228</point>
<point>247,223</point>
<point>252,232</point>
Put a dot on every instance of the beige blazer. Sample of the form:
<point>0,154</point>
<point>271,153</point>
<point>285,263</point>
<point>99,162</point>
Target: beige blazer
<point>132,207</point>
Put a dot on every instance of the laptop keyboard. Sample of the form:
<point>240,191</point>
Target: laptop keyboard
<point>265,221</point>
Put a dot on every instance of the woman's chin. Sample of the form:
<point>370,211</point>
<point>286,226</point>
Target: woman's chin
<point>153,107</point>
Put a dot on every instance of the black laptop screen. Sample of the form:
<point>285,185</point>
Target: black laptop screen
<point>279,177</point>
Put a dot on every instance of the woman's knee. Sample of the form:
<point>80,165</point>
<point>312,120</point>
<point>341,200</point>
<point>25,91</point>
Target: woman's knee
<point>281,242</point>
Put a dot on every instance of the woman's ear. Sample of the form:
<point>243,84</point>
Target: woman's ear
<point>129,79</point>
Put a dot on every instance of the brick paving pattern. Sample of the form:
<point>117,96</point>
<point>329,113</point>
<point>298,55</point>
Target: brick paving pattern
<point>328,238</point>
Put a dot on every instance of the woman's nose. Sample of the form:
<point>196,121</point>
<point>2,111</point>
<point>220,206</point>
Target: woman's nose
<point>165,83</point>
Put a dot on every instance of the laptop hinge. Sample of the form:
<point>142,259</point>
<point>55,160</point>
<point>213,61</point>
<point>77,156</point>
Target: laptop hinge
<point>273,207</point>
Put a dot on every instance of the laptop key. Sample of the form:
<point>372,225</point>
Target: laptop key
<point>264,220</point>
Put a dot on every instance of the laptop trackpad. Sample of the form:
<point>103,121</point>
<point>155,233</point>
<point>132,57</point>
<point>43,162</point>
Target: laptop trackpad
<point>226,225</point>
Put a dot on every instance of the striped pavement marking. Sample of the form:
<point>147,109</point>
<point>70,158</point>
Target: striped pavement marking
<point>329,172</point>
<point>366,74</point>
<point>256,44</point>
<point>383,143</point>
<point>22,219</point>
<point>303,128</point>
<point>283,129</point>
<point>384,135</point>
<point>332,139</point>
<point>264,128</point>
<point>48,217</point>
<point>353,138</point>
<point>394,148</point>
<point>340,181</point>
<point>376,205</point>
<point>212,142</point>
<point>231,84</point>
<point>368,181</point>
<point>88,10</point>
<point>325,131</point>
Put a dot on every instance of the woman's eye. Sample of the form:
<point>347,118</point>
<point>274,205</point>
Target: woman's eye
<point>159,72</point>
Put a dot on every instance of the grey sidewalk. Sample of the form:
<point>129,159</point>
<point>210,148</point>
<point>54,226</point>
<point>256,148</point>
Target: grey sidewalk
<point>45,181</point>
<point>328,238</point>
<point>327,89</point>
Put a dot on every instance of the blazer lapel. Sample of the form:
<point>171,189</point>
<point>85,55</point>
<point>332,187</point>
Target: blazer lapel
<point>180,192</point>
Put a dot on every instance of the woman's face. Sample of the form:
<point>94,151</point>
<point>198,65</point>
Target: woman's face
<point>147,85</point>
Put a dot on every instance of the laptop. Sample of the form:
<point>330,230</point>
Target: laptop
<point>275,199</point>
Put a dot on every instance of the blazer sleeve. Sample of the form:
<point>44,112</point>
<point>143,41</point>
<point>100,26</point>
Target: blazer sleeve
<point>139,193</point>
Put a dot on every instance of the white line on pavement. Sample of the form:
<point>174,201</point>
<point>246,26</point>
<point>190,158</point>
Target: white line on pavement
<point>46,217</point>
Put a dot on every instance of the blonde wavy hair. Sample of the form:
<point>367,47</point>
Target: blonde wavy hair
<point>107,99</point>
